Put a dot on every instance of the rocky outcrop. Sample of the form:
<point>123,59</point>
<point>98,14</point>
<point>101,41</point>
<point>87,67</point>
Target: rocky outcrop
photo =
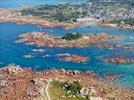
<point>120,26</point>
<point>44,39</point>
<point>108,46</point>
<point>72,58</point>
<point>114,46</point>
<point>111,77</point>
<point>28,84</point>
<point>118,59</point>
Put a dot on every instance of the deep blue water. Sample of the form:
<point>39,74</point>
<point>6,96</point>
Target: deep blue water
<point>12,52</point>
<point>20,3</point>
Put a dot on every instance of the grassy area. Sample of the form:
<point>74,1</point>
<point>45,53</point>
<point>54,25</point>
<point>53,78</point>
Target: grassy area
<point>65,91</point>
<point>52,13</point>
<point>129,21</point>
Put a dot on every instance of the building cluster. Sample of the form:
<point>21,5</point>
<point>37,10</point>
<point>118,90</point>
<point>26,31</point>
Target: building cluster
<point>91,10</point>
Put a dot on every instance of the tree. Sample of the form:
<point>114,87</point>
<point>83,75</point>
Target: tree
<point>72,36</point>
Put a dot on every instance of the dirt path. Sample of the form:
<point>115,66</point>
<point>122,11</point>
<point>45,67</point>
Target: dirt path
<point>48,96</point>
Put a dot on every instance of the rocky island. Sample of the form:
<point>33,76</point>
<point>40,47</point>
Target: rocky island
<point>113,46</point>
<point>69,40</point>
<point>117,59</point>
<point>72,58</point>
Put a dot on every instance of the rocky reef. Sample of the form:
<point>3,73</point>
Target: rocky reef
<point>72,58</point>
<point>119,59</point>
<point>111,77</point>
<point>114,46</point>
<point>45,39</point>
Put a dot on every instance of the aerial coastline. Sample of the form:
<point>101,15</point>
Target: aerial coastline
<point>81,51</point>
<point>13,16</point>
<point>9,16</point>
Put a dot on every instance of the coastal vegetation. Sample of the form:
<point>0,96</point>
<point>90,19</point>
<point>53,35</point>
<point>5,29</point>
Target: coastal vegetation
<point>66,16</point>
<point>67,91</point>
<point>69,40</point>
<point>72,15</point>
<point>129,21</point>
<point>52,13</point>
<point>72,36</point>
<point>90,9</point>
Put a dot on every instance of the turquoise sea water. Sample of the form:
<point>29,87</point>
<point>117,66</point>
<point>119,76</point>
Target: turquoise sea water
<point>12,52</point>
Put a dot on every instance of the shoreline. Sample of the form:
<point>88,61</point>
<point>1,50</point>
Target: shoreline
<point>109,25</point>
<point>11,16</point>
<point>23,76</point>
<point>70,52</point>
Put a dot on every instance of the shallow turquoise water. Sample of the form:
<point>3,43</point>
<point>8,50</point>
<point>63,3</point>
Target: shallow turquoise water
<point>12,52</point>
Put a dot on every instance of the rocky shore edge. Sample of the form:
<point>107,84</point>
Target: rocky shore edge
<point>111,46</point>
<point>18,80</point>
<point>118,59</point>
<point>11,16</point>
<point>125,26</point>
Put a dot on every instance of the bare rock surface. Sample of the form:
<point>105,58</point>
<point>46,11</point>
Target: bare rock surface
<point>26,84</point>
